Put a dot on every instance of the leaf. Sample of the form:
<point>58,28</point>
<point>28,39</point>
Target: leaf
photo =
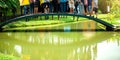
<point>3,5</point>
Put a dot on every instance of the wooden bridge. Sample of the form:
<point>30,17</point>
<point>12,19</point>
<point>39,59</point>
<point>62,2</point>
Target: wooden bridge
<point>109,27</point>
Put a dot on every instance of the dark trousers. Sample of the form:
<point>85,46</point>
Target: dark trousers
<point>63,7</point>
<point>31,7</point>
<point>21,10</point>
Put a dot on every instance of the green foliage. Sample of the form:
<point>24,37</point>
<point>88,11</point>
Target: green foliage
<point>2,4</point>
<point>110,18</point>
<point>102,5</point>
<point>115,8</point>
<point>8,5</point>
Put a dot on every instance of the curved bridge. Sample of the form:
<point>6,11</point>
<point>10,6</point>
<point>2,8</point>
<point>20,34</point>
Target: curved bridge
<point>109,27</point>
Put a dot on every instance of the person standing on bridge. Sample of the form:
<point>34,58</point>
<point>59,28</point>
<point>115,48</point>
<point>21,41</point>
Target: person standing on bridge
<point>90,7</point>
<point>21,6</point>
<point>36,5</point>
<point>31,6</point>
<point>50,6</point>
<point>95,9</point>
<point>85,2</point>
<point>56,6</point>
<point>76,5</point>
<point>41,6</point>
<point>71,6</point>
<point>63,6</point>
<point>80,8</point>
<point>25,4</point>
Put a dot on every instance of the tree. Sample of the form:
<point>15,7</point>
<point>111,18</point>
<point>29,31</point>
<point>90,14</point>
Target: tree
<point>8,5</point>
<point>115,8</point>
<point>103,5</point>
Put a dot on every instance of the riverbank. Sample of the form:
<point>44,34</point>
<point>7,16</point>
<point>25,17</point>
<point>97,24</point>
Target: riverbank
<point>111,19</point>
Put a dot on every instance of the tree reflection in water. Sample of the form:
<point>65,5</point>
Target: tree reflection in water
<point>55,45</point>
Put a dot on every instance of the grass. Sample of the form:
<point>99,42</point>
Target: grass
<point>8,57</point>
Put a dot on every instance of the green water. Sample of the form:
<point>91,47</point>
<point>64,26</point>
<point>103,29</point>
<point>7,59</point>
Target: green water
<point>72,43</point>
<point>61,45</point>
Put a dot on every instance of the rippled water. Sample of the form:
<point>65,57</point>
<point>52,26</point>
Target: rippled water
<point>61,45</point>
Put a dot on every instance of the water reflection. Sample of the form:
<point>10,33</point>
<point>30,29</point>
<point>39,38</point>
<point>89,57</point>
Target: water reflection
<point>87,25</point>
<point>79,26</point>
<point>61,45</point>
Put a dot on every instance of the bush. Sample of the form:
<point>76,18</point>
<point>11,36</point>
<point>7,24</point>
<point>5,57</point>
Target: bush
<point>115,8</point>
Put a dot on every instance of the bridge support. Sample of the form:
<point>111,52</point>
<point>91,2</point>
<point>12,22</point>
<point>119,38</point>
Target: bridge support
<point>109,28</point>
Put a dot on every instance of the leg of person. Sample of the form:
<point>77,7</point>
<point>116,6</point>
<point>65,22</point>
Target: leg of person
<point>61,7</point>
<point>21,10</point>
<point>90,10</point>
<point>31,8</point>
<point>36,10</point>
<point>65,7</point>
<point>55,8</point>
<point>85,9</point>
<point>76,10</point>
<point>50,5</point>
<point>80,9</point>
<point>96,12</point>
<point>25,10</point>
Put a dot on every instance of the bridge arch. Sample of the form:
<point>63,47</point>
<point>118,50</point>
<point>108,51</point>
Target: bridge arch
<point>109,27</point>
